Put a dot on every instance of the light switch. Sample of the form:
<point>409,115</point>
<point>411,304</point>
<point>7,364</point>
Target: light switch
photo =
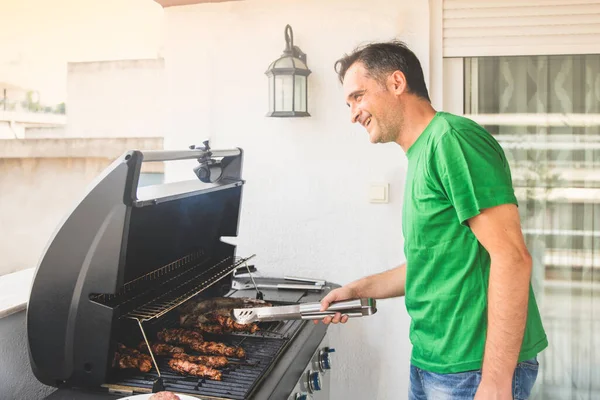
<point>378,193</point>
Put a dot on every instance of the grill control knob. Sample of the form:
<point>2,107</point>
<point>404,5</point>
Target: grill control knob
<point>325,359</point>
<point>314,381</point>
<point>301,396</point>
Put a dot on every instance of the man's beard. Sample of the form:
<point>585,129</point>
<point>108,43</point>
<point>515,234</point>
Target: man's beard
<point>390,130</point>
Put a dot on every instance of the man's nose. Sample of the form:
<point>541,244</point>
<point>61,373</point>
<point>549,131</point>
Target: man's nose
<point>354,114</point>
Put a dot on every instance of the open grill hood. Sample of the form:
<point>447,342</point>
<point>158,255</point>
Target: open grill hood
<point>114,245</point>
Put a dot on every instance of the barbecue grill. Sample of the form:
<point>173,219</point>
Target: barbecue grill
<point>127,258</point>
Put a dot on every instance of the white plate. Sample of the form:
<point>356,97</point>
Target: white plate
<point>146,396</point>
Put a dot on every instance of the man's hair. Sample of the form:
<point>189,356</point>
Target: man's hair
<point>381,59</point>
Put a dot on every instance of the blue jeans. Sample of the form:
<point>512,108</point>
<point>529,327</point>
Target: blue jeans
<point>426,385</point>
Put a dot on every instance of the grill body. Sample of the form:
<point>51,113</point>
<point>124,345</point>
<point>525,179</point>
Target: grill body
<point>124,258</point>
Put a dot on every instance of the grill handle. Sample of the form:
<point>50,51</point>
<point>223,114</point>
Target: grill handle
<point>214,166</point>
<point>173,155</point>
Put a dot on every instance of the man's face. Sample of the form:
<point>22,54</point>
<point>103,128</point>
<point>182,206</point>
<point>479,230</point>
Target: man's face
<point>373,105</point>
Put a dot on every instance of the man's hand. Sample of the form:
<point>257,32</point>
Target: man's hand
<point>344,293</point>
<point>492,391</point>
<point>379,286</point>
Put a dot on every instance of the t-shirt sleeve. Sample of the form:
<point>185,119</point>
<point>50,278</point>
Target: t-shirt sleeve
<point>473,172</point>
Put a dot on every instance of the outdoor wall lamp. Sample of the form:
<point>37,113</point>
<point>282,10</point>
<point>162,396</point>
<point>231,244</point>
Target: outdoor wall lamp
<point>288,75</point>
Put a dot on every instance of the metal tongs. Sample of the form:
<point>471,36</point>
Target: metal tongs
<point>351,308</point>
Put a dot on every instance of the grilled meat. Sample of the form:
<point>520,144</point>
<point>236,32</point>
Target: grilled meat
<point>194,341</point>
<point>209,361</point>
<point>126,358</point>
<point>160,349</point>
<point>189,368</point>
<point>199,307</point>
<point>216,323</point>
<point>220,349</point>
<point>194,320</point>
<point>180,336</point>
<point>141,362</point>
<point>164,396</point>
<point>210,328</point>
<point>232,326</point>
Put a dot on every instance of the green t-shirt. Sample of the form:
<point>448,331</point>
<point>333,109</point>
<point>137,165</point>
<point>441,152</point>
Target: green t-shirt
<point>455,169</point>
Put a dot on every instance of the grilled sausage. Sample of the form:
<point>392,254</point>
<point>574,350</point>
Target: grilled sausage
<point>189,368</point>
<point>160,349</point>
<point>209,361</point>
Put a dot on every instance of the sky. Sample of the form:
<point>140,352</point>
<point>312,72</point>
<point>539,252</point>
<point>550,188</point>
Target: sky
<point>39,37</point>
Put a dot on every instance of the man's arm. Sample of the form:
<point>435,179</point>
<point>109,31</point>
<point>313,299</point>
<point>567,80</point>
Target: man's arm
<point>381,286</point>
<point>387,284</point>
<point>498,229</point>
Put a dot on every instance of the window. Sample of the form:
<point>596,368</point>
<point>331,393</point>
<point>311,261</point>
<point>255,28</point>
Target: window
<point>545,112</point>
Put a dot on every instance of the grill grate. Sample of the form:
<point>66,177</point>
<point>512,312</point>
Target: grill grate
<point>129,289</point>
<point>240,378</point>
<point>277,329</point>
<point>190,287</point>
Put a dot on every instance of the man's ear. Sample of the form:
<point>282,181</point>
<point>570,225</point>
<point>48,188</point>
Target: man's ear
<point>397,82</point>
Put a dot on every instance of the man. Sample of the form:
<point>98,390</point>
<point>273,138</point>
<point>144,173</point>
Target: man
<point>475,326</point>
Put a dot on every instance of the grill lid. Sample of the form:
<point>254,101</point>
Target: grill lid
<point>117,238</point>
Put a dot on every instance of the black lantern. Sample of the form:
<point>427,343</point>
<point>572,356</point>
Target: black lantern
<point>288,77</point>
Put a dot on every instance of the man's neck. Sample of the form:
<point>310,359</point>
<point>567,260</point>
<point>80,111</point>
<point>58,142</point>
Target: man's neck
<point>417,116</point>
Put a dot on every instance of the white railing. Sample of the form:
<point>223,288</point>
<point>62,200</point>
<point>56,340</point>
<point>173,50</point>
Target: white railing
<point>572,120</point>
<point>25,117</point>
<point>588,174</point>
<point>569,258</point>
<point>562,232</point>
<point>568,195</point>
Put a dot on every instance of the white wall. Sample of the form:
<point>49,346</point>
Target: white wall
<point>35,195</point>
<point>42,180</point>
<point>16,378</point>
<point>121,98</point>
<point>305,206</point>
